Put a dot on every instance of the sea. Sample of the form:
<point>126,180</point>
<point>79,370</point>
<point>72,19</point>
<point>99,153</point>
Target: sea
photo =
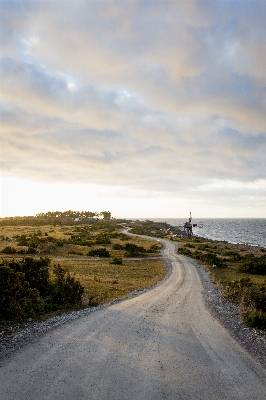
<point>245,231</point>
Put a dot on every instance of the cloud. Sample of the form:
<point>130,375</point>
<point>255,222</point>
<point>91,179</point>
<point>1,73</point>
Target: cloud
<point>158,96</point>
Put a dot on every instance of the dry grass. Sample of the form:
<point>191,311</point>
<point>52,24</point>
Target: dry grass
<point>104,282</point>
<point>64,232</point>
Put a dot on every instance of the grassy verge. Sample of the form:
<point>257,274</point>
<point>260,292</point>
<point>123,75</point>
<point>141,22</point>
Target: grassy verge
<point>239,270</point>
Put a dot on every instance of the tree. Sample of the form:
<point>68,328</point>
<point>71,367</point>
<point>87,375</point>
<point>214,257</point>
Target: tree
<point>106,215</point>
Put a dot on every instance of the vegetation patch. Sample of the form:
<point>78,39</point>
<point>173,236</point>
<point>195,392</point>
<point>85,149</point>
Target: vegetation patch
<point>240,272</point>
<point>28,288</point>
<point>98,276</point>
<point>32,286</point>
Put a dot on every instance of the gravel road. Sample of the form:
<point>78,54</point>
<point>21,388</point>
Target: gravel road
<point>163,344</point>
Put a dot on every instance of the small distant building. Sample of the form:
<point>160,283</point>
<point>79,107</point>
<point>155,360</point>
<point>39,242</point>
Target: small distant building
<point>76,219</point>
<point>93,219</point>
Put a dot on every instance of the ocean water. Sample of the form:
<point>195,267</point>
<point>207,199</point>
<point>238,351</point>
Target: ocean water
<point>247,231</point>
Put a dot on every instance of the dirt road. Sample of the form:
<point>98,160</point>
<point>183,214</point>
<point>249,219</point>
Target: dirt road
<point>163,344</point>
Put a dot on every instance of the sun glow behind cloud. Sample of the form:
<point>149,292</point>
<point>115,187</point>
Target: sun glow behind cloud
<point>148,109</point>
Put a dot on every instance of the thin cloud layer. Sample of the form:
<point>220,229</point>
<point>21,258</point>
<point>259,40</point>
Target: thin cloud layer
<point>161,96</point>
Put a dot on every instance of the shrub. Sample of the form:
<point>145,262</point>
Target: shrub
<point>253,265</point>
<point>234,256</point>
<point>116,261</point>
<point>26,288</point>
<point>17,299</point>
<point>124,237</point>
<point>9,250</point>
<point>22,240</point>
<point>252,299</point>
<point>102,238</point>
<point>212,259</point>
<point>255,319</point>
<point>185,251</point>
<point>137,230</point>
<point>118,246</point>
<point>31,250</point>
<point>190,245</point>
<point>132,250</point>
<point>100,252</point>
<point>154,248</point>
<point>65,290</point>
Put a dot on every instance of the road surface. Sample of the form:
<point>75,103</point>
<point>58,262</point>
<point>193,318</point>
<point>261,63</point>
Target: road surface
<point>163,344</point>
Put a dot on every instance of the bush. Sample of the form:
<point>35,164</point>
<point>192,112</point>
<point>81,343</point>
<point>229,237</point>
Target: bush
<point>116,261</point>
<point>9,250</point>
<point>212,259</point>
<point>102,238</point>
<point>255,319</point>
<point>118,246</point>
<point>154,248</point>
<point>31,250</point>
<point>124,237</point>
<point>26,289</point>
<point>100,252</point>
<point>252,299</point>
<point>132,250</point>
<point>190,245</point>
<point>17,299</point>
<point>65,290</point>
<point>234,256</point>
<point>36,272</point>
<point>253,265</point>
<point>185,251</point>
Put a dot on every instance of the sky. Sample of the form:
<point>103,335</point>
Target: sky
<point>145,108</point>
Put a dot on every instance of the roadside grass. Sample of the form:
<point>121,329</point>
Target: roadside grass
<point>226,262</point>
<point>229,272</point>
<point>104,282</point>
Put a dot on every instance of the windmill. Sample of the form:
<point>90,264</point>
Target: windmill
<point>188,227</point>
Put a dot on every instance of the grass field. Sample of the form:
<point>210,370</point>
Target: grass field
<point>104,282</point>
<point>8,236</point>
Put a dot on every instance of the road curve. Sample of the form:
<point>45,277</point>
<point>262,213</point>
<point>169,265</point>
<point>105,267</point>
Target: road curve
<point>163,344</point>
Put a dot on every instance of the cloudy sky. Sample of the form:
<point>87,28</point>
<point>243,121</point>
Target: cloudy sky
<point>146,108</point>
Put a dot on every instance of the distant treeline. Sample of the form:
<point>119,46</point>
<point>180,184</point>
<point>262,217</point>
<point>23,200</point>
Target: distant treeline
<point>54,217</point>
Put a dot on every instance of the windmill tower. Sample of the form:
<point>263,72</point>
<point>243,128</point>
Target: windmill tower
<point>188,227</point>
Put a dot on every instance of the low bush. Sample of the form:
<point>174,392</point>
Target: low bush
<point>253,265</point>
<point>132,250</point>
<point>255,319</point>
<point>212,259</point>
<point>9,250</point>
<point>233,256</point>
<point>154,248</point>
<point>28,290</point>
<point>185,251</point>
<point>78,253</point>
<point>116,261</point>
<point>102,238</point>
<point>252,299</point>
<point>117,246</point>
<point>190,245</point>
<point>100,252</point>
